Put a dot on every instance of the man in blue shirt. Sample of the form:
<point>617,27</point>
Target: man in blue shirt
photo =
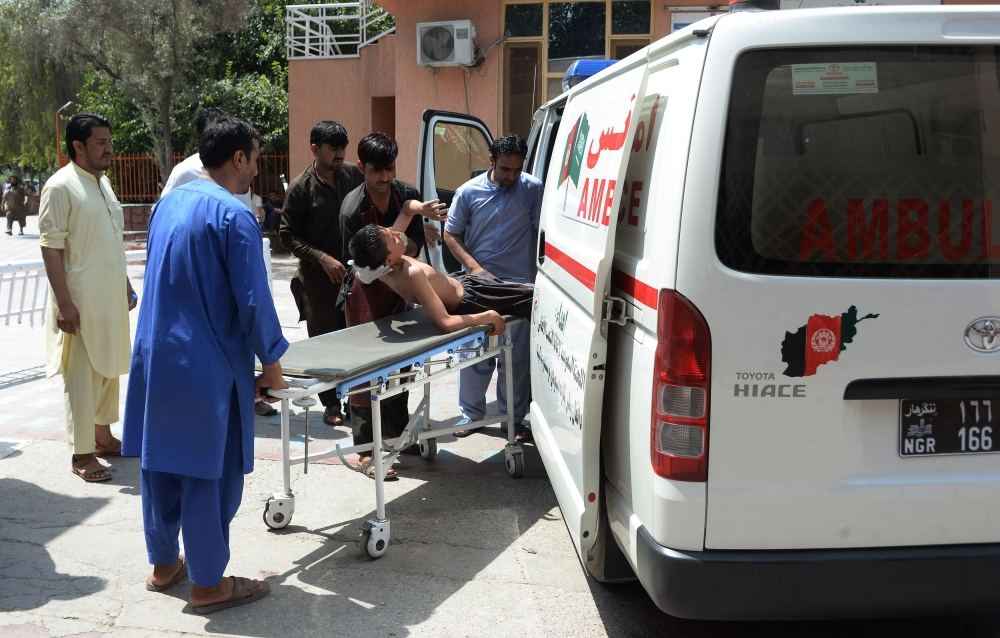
<point>207,311</point>
<point>498,214</point>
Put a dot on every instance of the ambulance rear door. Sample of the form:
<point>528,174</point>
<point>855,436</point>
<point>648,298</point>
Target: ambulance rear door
<point>572,308</point>
<point>454,148</point>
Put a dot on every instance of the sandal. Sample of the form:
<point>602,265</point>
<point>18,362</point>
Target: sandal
<point>80,466</point>
<point>522,434</point>
<point>370,471</point>
<point>114,448</point>
<point>181,573</point>
<point>245,591</point>
<point>333,416</point>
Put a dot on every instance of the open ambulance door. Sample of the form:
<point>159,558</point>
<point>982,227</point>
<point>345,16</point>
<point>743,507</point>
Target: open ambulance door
<point>454,148</point>
<point>572,307</point>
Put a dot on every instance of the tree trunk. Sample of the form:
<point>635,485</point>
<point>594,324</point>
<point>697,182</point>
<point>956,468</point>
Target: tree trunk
<point>167,159</point>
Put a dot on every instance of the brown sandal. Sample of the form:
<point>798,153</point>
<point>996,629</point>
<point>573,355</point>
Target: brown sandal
<point>181,573</point>
<point>114,448</point>
<point>241,587</point>
<point>79,468</point>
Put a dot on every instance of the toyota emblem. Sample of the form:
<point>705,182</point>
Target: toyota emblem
<point>983,335</point>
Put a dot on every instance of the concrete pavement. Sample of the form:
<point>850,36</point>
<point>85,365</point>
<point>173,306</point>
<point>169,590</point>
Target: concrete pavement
<point>474,552</point>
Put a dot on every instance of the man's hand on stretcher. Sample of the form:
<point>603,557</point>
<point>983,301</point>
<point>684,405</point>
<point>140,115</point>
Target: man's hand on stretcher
<point>270,379</point>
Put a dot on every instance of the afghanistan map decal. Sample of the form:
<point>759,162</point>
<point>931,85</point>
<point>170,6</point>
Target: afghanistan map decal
<point>820,341</point>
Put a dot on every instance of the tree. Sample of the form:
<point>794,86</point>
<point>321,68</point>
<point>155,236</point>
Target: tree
<point>147,47</point>
<point>33,84</point>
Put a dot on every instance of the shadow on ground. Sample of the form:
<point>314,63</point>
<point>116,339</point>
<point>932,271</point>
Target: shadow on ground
<point>30,518</point>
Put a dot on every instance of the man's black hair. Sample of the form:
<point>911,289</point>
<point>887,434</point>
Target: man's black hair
<point>222,138</point>
<point>328,132</point>
<point>509,144</point>
<point>368,247</point>
<point>80,128</point>
<point>378,150</point>
<point>273,190</point>
<point>208,116</point>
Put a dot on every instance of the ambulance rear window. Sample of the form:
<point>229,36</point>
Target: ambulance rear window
<point>863,162</point>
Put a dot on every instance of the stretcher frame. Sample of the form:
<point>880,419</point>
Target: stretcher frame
<point>436,363</point>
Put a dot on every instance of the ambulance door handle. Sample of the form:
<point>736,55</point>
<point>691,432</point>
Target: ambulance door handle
<point>614,310</point>
<point>541,248</point>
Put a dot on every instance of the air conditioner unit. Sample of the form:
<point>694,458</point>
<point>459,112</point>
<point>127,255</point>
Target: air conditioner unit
<point>445,43</point>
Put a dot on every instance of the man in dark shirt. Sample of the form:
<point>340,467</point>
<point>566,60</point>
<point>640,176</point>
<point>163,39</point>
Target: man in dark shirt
<point>310,229</point>
<point>273,207</point>
<point>380,199</point>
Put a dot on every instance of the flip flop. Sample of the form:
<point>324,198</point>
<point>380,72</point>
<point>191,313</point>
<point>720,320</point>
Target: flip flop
<point>181,573</point>
<point>114,448</point>
<point>240,588</point>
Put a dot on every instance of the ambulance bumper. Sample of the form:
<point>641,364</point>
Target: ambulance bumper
<point>818,584</point>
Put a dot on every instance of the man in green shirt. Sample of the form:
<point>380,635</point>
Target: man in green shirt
<point>310,229</point>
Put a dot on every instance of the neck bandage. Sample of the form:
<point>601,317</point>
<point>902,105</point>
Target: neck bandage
<point>367,275</point>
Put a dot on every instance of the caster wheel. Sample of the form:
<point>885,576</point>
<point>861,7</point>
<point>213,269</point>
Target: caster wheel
<point>429,449</point>
<point>373,546</point>
<point>515,465</point>
<point>274,517</point>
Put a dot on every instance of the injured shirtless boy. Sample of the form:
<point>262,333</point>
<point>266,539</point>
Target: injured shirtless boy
<point>452,302</point>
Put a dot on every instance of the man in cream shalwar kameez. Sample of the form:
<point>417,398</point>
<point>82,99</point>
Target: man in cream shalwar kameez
<point>86,322</point>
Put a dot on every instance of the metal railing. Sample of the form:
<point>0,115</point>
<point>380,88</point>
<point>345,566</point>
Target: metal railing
<point>334,30</point>
<point>135,177</point>
<point>24,288</point>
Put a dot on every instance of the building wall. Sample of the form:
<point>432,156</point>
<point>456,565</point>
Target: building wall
<point>343,89</point>
<point>340,90</point>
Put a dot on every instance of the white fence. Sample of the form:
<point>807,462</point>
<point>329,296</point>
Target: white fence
<point>334,30</point>
<point>24,288</point>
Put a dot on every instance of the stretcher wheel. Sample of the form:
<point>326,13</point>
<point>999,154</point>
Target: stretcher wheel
<point>374,539</point>
<point>515,465</point>
<point>274,517</point>
<point>429,449</point>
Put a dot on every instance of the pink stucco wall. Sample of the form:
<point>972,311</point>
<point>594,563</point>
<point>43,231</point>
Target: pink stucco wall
<point>342,89</point>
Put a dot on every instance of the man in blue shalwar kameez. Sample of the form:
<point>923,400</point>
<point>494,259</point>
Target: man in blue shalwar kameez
<point>206,312</point>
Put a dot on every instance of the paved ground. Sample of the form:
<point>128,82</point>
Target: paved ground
<point>474,552</point>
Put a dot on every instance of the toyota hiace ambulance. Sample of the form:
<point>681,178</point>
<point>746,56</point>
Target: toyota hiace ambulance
<point>765,352</point>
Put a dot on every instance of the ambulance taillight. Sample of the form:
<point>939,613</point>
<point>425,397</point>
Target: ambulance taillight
<point>681,379</point>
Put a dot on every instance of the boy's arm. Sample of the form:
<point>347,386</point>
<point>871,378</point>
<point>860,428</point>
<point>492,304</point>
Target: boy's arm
<point>435,309</point>
<point>433,209</point>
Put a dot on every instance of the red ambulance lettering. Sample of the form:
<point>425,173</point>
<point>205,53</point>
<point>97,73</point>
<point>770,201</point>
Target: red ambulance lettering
<point>906,228</point>
<point>609,200</point>
<point>581,211</point>
<point>818,219</point>
<point>637,140</point>
<point>987,249</point>
<point>621,205</point>
<point>652,121</point>
<point>877,228</point>
<point>596,199</point>
<point>961,249</point>
<point>633,202</point>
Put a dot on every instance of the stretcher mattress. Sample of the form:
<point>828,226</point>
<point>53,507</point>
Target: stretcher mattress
<point>357,351</point>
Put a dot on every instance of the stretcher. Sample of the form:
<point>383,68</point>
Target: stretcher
<point>382,359</point>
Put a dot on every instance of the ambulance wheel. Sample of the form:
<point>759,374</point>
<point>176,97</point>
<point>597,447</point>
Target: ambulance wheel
<point>372,547</point>
<point>429,449</point>
<point>515,465</point>
<point>275,520</point>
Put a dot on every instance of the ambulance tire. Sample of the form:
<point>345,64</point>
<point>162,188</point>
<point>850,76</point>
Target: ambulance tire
<point>606,561</point>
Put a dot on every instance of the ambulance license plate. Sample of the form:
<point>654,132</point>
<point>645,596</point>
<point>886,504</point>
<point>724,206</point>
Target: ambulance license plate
<point>949,426</point>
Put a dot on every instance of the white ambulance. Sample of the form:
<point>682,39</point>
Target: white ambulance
<point>765,336</point>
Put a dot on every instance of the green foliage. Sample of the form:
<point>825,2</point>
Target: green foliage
<point>129,133</point>
<point>33,84</point>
